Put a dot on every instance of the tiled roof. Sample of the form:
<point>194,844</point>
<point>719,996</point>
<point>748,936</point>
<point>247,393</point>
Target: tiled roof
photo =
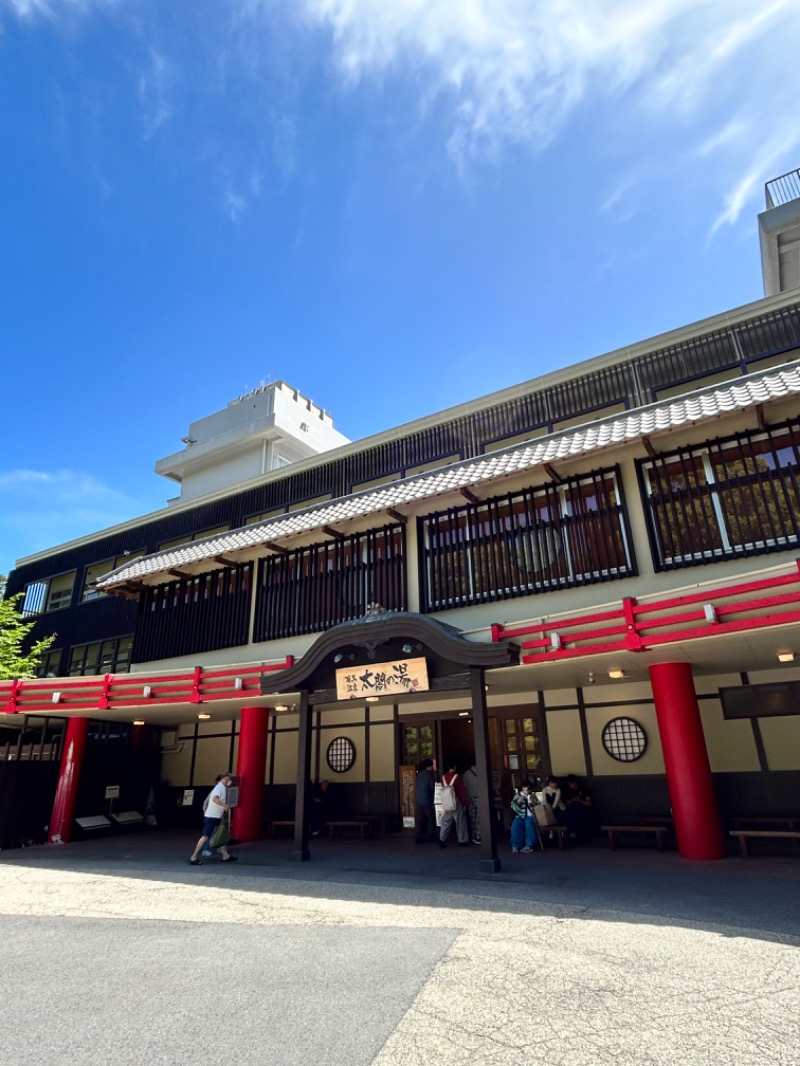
<point>618,429</point>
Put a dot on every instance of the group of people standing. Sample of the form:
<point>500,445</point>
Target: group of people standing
<point>463,817</point>
<point>571,806</point>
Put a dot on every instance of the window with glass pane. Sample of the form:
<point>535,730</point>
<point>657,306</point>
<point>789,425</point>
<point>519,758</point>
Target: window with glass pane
<point>51,594</point>
<point>50,663</point>
<point>418,743</point>
<point>734,496</point>
<point>93,574</point>
<point>552,536</point>
<point>523,742</point>
<point>758,489</point>
<point>96,571</point>
<point>107,657</point>
<point>199,535</point>
<point>34,599</point>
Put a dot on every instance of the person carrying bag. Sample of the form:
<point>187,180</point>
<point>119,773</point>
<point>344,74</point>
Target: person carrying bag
<point>216,831</point>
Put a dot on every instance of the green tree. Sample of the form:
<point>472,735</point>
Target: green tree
<point>14,662</point>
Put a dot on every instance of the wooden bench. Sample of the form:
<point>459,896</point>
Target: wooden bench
<point>769,834</point>
<point>96,821</point>
<point>358,826</point>
<point>615,831</point>
<point>770,821</point>
<point>547,831</point>
<point>280,823</point>
<point>376,822</point>
<point>128,818</point>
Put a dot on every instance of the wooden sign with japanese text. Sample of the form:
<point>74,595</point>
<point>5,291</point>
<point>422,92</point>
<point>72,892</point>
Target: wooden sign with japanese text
<point>402,678</point>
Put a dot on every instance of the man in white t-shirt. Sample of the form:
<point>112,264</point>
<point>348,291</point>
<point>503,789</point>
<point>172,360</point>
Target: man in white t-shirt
<point>214,808</point>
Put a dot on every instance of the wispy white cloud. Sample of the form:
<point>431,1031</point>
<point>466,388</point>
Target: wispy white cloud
<point>615,201</point>
<point>513,72</point>
<point>235,203</point>
<point>284,137</point>
<point>40,508</point>
<point>154,93</point>
<point>26,9</point>
<point>717,81</point>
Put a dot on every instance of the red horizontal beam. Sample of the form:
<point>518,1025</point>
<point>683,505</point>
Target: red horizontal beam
<point>640,620</point>
<point>573,653</point>
<point>107,692</point>
<point>722,593</point>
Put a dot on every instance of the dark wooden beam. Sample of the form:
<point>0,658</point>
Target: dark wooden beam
<point>322,696</point>
<point>552,473</point>
<point>224,561</point>
<point>302,803</point>
<point>489,861</point>
<point>273,547</point>
<point>469,495</point>
<point>648,447</point>
<point>331,532</point>
<point>449,683</point>
<point>180,573</point>
<point>396,516</point>
<point>125,592</point>
<point>762,418</point>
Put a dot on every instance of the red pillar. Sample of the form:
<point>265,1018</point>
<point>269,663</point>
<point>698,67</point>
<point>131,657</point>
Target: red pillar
<point>691,786</point>
<point>251,765</point>
<point>68,779</point>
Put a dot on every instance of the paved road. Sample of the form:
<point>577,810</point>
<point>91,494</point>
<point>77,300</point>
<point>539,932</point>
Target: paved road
<point>119,951</point>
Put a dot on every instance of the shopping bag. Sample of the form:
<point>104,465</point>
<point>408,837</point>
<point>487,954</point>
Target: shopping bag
<point>221,835</point>
<point>544,814</point>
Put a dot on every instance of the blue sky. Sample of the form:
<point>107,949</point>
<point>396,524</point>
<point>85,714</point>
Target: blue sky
<point>396,206</point>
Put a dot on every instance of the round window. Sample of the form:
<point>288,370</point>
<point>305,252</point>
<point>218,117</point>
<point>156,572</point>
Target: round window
<point>624,739</point>
<point>341,754</point>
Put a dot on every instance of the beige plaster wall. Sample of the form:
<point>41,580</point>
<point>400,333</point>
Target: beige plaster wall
<point>652,762</point>
<point>781,737</point>
<point>357,735</point>
<point>211,759</point>
<point>382,756</point>
<point>731,744</point>
<point>566,747</point>
<point>285,757</point>
<point>176,765</point>
<point>353,714</point>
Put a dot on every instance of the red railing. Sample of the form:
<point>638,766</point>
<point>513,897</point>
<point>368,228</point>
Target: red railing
<point>136,691</point>
<point>635,626</point>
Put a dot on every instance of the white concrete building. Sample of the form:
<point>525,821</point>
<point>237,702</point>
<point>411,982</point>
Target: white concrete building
<point>263,430</point>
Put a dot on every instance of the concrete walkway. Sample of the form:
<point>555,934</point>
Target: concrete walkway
<point>383,952</point>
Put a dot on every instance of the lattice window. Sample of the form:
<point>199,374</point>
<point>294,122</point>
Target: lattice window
<point>737,495</point>
<point>624,739</point>
<point>341,755</point>
<point>554,536</point>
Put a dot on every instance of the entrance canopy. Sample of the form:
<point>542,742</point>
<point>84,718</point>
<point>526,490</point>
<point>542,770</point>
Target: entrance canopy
<point>425,655</point>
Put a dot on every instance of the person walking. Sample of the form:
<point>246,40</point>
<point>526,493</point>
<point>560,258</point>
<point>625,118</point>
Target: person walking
<point>471,788</point>
<point>455,811</point>
<point>214,810</point>
<point>423,796</point>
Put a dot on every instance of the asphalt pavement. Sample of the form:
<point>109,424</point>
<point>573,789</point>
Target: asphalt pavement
<point>385,952</point>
